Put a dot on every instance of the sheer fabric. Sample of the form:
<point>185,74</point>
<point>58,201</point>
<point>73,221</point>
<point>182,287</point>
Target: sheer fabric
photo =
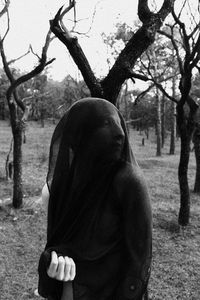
<point>84,214</point>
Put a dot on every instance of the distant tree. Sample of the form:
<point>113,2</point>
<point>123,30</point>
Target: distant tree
<point>184,42</point>
<point>17,108</point>
<point>196,141</point>
<point>173,119</point>
<point>143,114</point>
<point>157,65</point>
<point>3,88</point>
<point>74,90</point>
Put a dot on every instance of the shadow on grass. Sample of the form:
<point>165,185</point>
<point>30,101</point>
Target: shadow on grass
<point>155,163</point>
<point>164,223</point>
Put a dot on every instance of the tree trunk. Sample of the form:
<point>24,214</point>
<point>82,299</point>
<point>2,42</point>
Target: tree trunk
<point>2,110</point>
<point>184,212</point>
<point>173,129</point>
<point>17,162</point>
<point>185,127</point>
<point>173,119</point>
<point>196,141</point>
<point>163,132</point>
<point>17,131</point>
<point>158,124</point>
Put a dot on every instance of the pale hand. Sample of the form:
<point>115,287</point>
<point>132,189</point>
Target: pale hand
<point>61,268</point>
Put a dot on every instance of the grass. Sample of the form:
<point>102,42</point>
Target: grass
<point>176,258</point>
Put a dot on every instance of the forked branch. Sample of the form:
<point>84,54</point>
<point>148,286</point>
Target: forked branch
<point>63,34</point>
<point>38,69</point>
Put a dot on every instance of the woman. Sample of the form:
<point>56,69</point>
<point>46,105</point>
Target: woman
<point>99,215</point>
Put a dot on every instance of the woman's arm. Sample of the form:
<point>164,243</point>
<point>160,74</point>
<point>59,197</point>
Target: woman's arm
<point>60,268</point>
<point>45,196</point>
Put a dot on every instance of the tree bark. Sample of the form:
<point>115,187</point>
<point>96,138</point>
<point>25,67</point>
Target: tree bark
<point>173,119</point>
<point>184,211</point>
<point>17,163</point>
<point>158,124</point>
<point>196,141</point>
<point>14,104</point>
<point>173,129</point>
<point>186,127</point>
<point>163,131</point>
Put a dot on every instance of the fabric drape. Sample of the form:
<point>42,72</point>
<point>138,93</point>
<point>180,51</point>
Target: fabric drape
<point>85,215</point>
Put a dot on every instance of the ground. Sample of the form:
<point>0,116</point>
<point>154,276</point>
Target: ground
<point>176,257</point>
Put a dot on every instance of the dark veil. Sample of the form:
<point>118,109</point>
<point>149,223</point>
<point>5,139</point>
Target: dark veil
<point>77,198</point>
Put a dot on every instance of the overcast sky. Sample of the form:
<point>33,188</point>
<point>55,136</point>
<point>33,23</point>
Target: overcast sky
<point>29,23</point>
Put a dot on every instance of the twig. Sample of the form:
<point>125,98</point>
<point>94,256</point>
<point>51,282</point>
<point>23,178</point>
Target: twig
<point>5,9</point>
<point>18,58</point>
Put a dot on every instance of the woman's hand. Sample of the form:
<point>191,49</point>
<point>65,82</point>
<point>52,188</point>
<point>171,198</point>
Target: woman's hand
<point>61,268</point>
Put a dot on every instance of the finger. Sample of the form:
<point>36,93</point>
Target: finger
<point>67,268</point>
<point>53,265</point>
<point>61,267</point>
<point>72,270</point>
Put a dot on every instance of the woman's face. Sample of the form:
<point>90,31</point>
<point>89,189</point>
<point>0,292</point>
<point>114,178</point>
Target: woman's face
<point>108,139</point>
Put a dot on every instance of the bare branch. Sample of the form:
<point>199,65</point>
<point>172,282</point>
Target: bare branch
<point>138,76</point>
<point>33,52</point>
<point>110,86</point>
<point>139,42</point>
<point>8,25</point>
<point>5,9</point>
<point>93,16</point>
<point>175,46</point>
<point>38,69</point>
<point>10,75</point>
<point>18,58</point>
<point>76,51</point>
<point>67,9</point>
<point>184,33</point>
<point>144,12</point>
<point>165,93</point>
<point>167,7</point>
<point>197,27</point>
<point>141,95</point>
<point>195,55</point>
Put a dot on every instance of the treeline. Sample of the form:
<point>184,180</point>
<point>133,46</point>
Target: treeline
<point>43,98</point>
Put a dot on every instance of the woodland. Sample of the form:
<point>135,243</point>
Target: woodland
<point>161,50</point>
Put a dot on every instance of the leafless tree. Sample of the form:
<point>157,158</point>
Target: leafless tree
<point>109,87</point>
<point>185,42</point>
<point>17,107</point>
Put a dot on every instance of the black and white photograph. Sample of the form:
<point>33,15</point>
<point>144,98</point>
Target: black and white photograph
<point>99,150</point>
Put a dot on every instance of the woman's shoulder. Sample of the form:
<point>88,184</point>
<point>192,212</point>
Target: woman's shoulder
<point>129,180</point>
<point>128,173</point>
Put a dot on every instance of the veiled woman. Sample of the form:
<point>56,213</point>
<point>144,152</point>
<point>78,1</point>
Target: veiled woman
<point>99,215</point>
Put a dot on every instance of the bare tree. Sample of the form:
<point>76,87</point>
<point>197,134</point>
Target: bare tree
<point>190,44</point>
<point>109,87</point>
<point>185,43</point>
<point>173,119</point>
<point>196,141</point>
<point>17,108</point>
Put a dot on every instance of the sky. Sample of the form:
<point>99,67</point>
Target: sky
<point>29,24</point>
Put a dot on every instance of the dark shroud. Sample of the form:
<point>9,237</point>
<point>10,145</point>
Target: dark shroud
<point>99,211</point>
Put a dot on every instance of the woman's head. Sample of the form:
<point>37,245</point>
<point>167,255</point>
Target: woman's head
<point>94,125</point>
<point>91,134</point>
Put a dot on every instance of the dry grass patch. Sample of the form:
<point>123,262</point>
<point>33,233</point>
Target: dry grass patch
<point>176,258</point>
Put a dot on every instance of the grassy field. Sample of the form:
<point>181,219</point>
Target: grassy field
<point>176,256</point>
